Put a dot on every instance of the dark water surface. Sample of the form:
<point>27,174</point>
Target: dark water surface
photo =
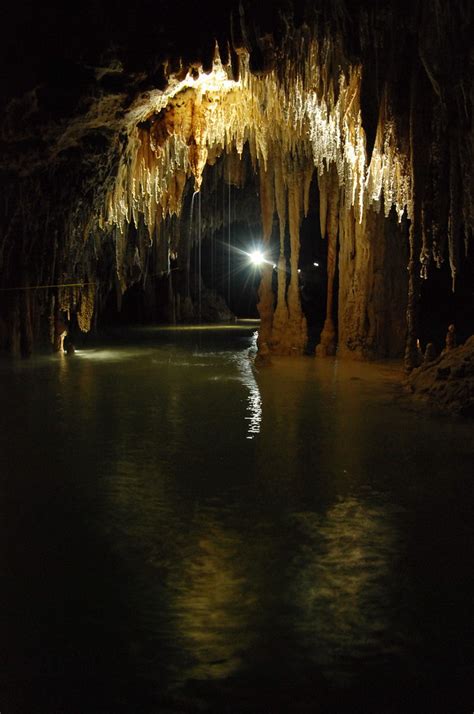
<point>183,533</point>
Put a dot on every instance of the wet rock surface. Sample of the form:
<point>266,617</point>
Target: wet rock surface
<point>446,385</point>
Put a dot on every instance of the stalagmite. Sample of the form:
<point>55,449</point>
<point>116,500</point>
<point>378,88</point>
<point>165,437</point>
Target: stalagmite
<point>280,317</point>
<point>328,339</point>
<point>294,341</point>
<point>265,292</point>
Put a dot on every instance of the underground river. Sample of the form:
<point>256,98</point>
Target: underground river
<point>186,533</point>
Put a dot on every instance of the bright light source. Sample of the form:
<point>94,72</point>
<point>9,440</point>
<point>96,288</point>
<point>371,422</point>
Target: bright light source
<point>316,265</point>
<point>299,270</point>
<point>257,257</point>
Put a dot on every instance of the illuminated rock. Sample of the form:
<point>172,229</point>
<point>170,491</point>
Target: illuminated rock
<point>96,177</point>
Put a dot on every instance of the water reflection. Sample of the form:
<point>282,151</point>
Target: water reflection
<point>212,602</point>
<point>346,585</point>
<point>254,407</point>
<point>229,526</point>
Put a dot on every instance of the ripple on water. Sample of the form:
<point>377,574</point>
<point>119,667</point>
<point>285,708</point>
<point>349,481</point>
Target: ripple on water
<point>346,578</point>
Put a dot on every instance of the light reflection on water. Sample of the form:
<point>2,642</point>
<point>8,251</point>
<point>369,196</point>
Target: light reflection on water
<point>254,399</point>
<point>205,522</point>
<point>213,606</point>
<point>345,578</point>
<point>254,402</point>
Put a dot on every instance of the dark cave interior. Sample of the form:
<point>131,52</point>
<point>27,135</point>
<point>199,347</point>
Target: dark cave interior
<point>200,204</point>
<point>313,123</point>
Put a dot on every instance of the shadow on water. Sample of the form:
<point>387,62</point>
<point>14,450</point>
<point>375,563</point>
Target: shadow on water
<point>185,533</point>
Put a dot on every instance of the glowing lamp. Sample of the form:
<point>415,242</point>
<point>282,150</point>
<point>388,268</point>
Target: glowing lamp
<point>257,257</point>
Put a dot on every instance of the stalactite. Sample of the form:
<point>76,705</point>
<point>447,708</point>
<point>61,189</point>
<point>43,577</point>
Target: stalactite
<point>323,202</point>
<point>305,120</point>
<point>234,169</point>
<point>307,115</point>
<point>308,177</point>
<point>85,312</point>
<point>389,173</point>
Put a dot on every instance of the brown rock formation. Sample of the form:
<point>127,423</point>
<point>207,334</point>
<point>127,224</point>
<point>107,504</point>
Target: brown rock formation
<point>103,140</point>
<point>446,384</point>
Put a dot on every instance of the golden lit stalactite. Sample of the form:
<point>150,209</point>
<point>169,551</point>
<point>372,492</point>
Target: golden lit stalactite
<point>172,132</point>
<point>86,308</point>
<point>234,169</point>
<point>197,119</point>
<point>328,339</point>
<point>68,297</point>
<point>389,174</point>
<point>120,251</point>
<point>308,177</point>
<point>180,182</point>
<point>280,317</point>
<point>323,201</point>
<point>265,292</point>
<point>294,121</point>
<point>197,147</point>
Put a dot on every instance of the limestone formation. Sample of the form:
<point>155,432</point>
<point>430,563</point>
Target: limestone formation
<point>446,384</point>
<point>450,338</point>
<point>99,168</point>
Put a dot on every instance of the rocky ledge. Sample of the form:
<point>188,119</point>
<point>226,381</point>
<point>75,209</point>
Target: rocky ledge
<point>446,384</point>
